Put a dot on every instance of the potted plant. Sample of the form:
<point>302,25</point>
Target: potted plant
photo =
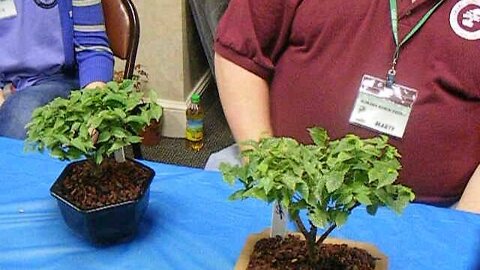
<point>101,197</point>
<point>151,134</point>
<point>327,180</point>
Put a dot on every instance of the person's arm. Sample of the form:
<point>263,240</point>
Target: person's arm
<point>92,51</point>
<point>250,38</point>
<point>245,100</point>
<point>470,200</point>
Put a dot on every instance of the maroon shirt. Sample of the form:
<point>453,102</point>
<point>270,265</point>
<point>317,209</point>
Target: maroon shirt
<point>314,54</point>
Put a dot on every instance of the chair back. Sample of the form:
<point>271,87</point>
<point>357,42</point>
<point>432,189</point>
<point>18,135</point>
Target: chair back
<point>123,31</point>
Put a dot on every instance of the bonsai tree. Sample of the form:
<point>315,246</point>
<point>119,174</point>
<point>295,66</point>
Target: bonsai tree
<point>327,180</point>
<point>93,123</point>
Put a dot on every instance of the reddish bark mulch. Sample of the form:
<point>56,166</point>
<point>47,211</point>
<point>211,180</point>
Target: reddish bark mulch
<point>88,188</point>
<point>291,253</point>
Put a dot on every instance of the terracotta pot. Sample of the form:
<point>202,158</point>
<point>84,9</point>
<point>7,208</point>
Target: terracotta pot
<point>108,224</point>
<point>152,133</point>
<point>243,260</point>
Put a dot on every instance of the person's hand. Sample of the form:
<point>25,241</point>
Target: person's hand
<point>2,98</point>
<point>94,85</point>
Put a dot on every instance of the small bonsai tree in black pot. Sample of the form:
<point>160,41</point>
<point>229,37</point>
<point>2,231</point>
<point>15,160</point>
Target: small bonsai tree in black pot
<point>327,180</point>
<point>101,197</point>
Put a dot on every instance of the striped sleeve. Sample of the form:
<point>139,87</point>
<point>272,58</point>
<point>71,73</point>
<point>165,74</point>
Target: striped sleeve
<point>93,54</point>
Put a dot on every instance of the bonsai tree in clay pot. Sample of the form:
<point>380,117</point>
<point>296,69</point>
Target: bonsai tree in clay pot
<point>327,180</point>
<point>101,197</point>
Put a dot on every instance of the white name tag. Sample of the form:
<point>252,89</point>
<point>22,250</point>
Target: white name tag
<point>7,9</point>
<point>381,108</point>
<point>279,220</point>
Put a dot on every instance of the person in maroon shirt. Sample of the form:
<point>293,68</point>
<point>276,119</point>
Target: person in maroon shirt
<point>285,65</point>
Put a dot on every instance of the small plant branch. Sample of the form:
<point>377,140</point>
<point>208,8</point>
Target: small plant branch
<point>332,227</point>
<point>326,233</point>
<point>300,226</point>
<point>313,230</point>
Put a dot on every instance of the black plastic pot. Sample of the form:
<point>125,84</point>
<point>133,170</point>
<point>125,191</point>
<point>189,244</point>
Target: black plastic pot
<point>104,225</point>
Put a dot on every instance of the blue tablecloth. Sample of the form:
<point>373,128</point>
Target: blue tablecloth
<point>189,224</point>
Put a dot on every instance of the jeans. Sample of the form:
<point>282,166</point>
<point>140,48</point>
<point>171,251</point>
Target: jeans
<point>17,109</point>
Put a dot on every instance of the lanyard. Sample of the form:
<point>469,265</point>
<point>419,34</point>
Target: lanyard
<point>394,17</point>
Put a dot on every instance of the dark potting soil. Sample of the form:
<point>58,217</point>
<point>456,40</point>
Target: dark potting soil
<point>291,253</point>
<point>87,189</point>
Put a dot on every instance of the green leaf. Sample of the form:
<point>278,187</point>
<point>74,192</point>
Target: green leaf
<point>363,199</point>
<point>319,218</point>
<point>77,143</point>
<point>319,136</point>
<point>383,172</point>
<point>228,173</point>
<point>285,197</point>
<point>134,139</point>
<point>303,190</point>
<point>113,86</point>
<point>383,196</point>
<point>334,180</point>
<point>372,209</point>
<point>138,119</point>
<point>119,113</point>
<point>104,136</point>
<point>343,156</point>
<point>262,167</point>
<point>95,122</point>
<point>258,193</point>
<point>116,146</point>
<point>290,182</point>
<point>345,199</point>
<point>156,111</point>
<point>58,153</point>
<point>118,133</point>
<point>340,218</point>
<point>58,123</point>
<point>98,158</point>
<point>268,184</point>
<point>152,96</point>
<point>237,195</point>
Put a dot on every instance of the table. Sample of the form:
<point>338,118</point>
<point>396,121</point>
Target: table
<point>190,224</point>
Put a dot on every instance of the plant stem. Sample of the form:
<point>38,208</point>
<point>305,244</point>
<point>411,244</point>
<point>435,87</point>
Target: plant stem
<point>310,237</point>
<point>300,226</point>
<point>326,233</point>
<point>96,168</point>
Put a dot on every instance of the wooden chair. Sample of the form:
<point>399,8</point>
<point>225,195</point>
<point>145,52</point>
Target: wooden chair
<point>123,31</point>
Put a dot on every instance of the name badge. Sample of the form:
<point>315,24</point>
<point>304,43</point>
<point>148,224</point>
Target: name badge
<point>279,220</point>
<point>7,9</point>
<point>381,108</point>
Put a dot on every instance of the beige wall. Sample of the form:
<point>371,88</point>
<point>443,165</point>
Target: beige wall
<point>172,54</point>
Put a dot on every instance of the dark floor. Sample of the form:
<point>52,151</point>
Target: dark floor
<point>217,136</point>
